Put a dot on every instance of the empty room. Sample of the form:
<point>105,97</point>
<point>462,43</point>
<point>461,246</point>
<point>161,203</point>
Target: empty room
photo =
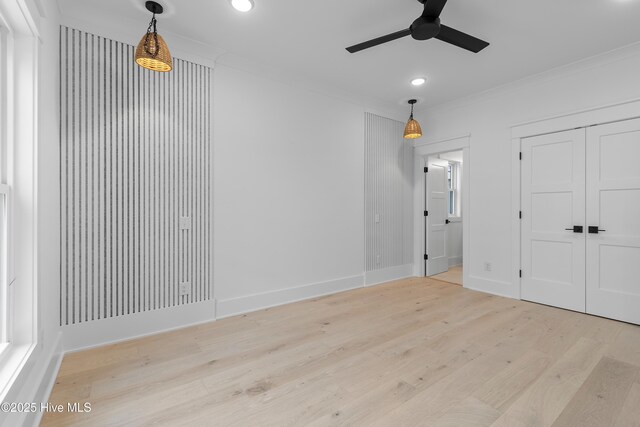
<point>331,213</point>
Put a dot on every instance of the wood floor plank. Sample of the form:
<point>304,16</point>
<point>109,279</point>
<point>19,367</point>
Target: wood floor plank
<point>629,415</point>
<point>412,352</point>
<point>501,390</point>
<point>453,275</point>
<point>435,400</point>
<point>626,346</point>
<point>547,397</point>
<point>404,374</point>
<point>599,400</point>
<point>471,412</point>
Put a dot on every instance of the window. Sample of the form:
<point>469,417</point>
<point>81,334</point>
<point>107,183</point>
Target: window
<point>4,198</point>
<point>19,101</point>
<point>4,264</point>
<point>453,183</point>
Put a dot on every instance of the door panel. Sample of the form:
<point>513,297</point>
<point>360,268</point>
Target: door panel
<point>553,199</point>
<point>551,211</point>
<point>546,265</point>
<point>437,193</point>
<point>613,205</point>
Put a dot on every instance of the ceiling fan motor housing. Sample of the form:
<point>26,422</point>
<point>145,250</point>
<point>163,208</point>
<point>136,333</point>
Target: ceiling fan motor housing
<point>425,28</point>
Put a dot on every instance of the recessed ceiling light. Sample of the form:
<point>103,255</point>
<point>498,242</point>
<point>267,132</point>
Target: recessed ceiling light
<point>242,5</point>
<point>419,81</point>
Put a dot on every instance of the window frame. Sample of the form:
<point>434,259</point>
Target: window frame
<point>19,134</point>
<point>5,195</point>
<point>5,263</point>
<point>454,190</point>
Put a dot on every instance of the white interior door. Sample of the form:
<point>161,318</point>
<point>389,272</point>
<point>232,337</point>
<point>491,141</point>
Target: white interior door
<point>553,202</point>
<point>613,206</point>
<point>437,196</point>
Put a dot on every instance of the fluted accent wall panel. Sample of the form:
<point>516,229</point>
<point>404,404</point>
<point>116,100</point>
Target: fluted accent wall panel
<point>135,181</point>
<point>388,194</point>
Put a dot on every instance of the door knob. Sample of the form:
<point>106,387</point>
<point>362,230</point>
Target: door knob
<point>593,229</point>
<point>575,229</point>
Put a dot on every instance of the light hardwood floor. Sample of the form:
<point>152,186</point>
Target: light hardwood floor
<point>417,352</point>
<point>454,275</point>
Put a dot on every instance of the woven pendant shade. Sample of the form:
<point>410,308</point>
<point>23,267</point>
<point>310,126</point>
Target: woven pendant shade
<point>412,130</point>
<point>148,58</point>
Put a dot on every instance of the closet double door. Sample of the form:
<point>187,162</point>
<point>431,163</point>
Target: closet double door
<point>581,220</point>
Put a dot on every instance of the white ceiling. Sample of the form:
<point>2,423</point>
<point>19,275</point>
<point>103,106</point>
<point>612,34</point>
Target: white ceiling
<point>307,39</point>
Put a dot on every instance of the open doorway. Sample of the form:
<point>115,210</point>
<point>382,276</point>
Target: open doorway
<point>454,207</point>
<point>443,217</point>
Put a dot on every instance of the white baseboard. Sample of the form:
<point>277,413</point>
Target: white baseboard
<point>234,306</point>
<point>107,331</point>
<point>456,260</point>
<point>494,287</point>
<point>388,274</point>
<point>47,382</point>
<point>36,383</point>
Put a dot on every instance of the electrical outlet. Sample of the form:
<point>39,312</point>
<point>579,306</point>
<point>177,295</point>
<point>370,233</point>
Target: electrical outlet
<point>185,223</point>
<point>487,266</point>
<point>377,218</point>
<point>377,259</point>
<point>185,288</point>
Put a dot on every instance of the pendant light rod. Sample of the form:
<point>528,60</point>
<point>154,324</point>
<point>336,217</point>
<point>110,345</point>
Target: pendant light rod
<point>155,9</point>
<point>412,102</point>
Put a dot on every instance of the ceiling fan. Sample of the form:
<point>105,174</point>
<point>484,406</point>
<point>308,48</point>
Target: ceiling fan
<point>428,26</point>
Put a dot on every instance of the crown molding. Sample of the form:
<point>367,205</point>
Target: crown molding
<point>556,73</point>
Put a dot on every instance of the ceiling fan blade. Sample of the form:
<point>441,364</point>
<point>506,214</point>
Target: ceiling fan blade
<point>433,8</point>
<point>379,40</point>
<point>460,39</point>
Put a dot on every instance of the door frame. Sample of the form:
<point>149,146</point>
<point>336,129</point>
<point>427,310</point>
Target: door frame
<point>601,115</point>
<point>422,151</point>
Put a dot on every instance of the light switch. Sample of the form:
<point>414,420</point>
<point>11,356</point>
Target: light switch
<point>185,223</point>
<point>185,288</point>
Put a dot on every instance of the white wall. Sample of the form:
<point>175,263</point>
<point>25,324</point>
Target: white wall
<point>288,192</point>
<point>288,202</point>
<point>606,79</point>
<point>288,189</point>
<point>454,242</point>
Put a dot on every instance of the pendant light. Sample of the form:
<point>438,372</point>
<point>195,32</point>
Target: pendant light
<point>412,130</point>
<point>152,51</point>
